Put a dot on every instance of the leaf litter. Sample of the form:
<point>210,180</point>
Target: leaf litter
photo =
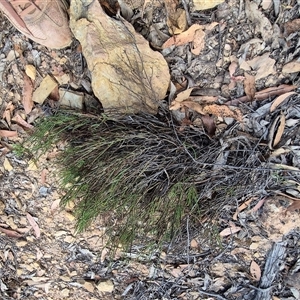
<point>192,64</point>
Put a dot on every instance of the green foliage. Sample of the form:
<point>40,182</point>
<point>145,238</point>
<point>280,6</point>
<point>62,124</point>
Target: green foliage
<point>138,173</point>
<point>20,150</point>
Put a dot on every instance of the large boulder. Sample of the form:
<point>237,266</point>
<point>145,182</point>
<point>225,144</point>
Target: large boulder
<point>127,75</point>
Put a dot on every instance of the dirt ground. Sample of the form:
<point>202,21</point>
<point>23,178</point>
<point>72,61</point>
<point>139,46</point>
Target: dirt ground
<point>243,49</point>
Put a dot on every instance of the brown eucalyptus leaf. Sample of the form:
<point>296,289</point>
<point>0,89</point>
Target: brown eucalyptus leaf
<point>183,38</point>
<point>230,230</point>
<point>8,133</point>
<point>183,95</point>
<point>291,67</point>
<point>280,99</point>
<point>295,205</point>
<point>241,208</point>
<point>255,270</point>
<point>10,233</point>
<point>249,85</point>
<point>27,94</point>
<point>34,225</point>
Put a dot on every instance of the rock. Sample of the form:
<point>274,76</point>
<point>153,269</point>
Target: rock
<point>43,91</point>
<point>71,99</point>
<point>106,286</point>
<point>30,70</point>
<point>127,75</point>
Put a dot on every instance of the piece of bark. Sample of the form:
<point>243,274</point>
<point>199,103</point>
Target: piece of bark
<point>273,265</point>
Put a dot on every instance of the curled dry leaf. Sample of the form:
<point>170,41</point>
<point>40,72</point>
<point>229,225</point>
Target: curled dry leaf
<point>34,225</point>
<point>276,131</point>
<point>280,130</point>
<point>280,99</point>
<point>255,271</point>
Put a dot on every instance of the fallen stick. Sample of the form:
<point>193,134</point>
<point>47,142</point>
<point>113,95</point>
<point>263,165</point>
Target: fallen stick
<point>264,94</point>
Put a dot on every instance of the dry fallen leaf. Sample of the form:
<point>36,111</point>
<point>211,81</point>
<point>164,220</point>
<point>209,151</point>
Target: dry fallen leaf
<point>280,99</point>
<point>291,67</point>
<point>261,23</point>
<point>209,125</point>
<point>198,42</point>
<point>223,111</point>
<point>230,230</point>
<point>241,208</point>
<point>10,233</point>
<point>194,244</point>
<point>280,130</point>
<point>34,225</point>
<point>18,119</point>
<point>27,94</point>
<point>43,176</point>
<point>55,205</point>
<point>295,205</point>
<point>206,4</point>
<point>249,85</point>
<point>259,204</point>
<point>291,26</point>
<point>8,133</point>
<point>183,38</point>
<point>176,17</point>
<point>7,166</point>
<point>263,65</point>
<point>194,34</point>
<point>183,95</point>
<point>255,271</point>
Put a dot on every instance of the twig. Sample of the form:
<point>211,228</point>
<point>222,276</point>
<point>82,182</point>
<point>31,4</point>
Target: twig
<point>188,240</point>
<point>212,294</point>
<point>188,18</point>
